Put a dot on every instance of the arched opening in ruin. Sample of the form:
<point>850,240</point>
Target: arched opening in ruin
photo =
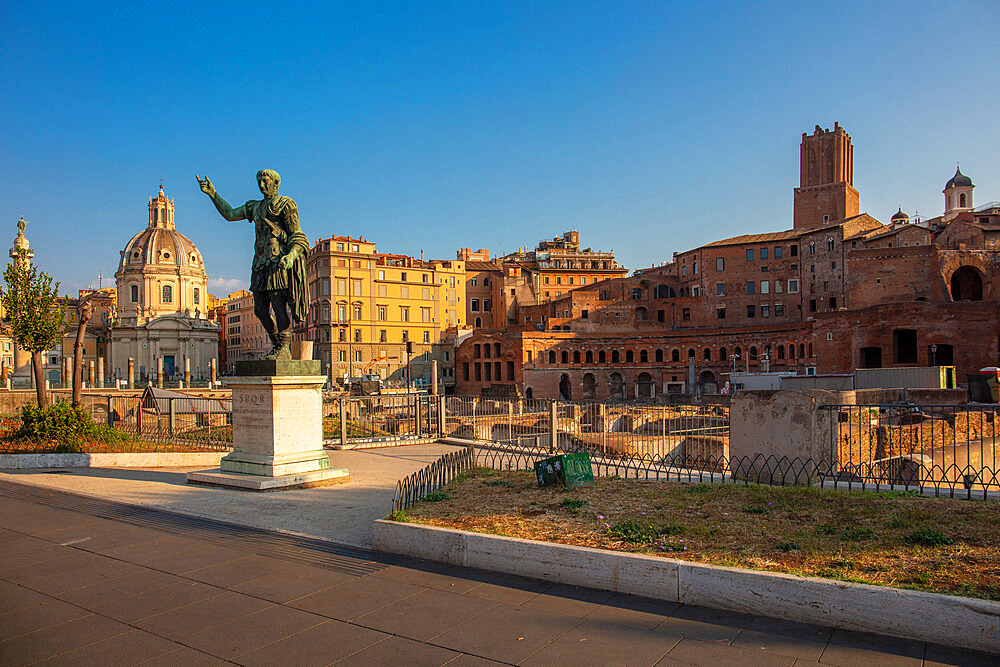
<point>966,284</point>
<point>644,385</point>
<point>615,357</point>
<point>643,356</point>
<point>589,384</point>
<point>528,393</point>
<point>565,389</point>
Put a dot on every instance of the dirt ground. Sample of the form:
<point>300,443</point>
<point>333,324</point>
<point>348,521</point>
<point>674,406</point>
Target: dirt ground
<point>892,539</point>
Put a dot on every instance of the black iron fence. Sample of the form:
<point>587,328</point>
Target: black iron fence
<point>433,477</point>
<point>916,445</point>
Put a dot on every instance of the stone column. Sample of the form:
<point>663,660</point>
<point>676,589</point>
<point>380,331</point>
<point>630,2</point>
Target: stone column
<point>100,372</point>
<point>187,371</point>
<point>91,375</point>
<point>212,372</point>
<point>434,378</point>
<point>131,373</point>
<point>159,372</point>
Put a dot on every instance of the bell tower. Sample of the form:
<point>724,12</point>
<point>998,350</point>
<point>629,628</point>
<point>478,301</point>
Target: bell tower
<point>161,211</point>
<point>826,179</point>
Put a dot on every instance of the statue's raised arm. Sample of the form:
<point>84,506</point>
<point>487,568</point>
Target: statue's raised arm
<point>221,205</point>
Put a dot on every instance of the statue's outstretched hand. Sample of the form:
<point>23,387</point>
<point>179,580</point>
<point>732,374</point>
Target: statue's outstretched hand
<point>206,186</point>
<point>285,262</point>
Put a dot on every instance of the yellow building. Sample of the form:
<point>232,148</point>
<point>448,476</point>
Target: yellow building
<point>367,305</point>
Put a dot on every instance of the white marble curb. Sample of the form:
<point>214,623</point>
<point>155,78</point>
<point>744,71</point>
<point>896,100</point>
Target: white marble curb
<point>113,460</point>
<point>942,619</point>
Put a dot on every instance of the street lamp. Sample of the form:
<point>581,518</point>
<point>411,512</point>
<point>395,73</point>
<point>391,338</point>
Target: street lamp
<point>933,354</point>
<point>734,357</point>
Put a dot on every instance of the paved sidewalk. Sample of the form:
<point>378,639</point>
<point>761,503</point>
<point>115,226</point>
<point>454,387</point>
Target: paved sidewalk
<point>158,588</point>
<point>341,513</point>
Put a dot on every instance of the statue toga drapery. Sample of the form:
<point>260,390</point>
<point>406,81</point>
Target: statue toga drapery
<point>278,273</point>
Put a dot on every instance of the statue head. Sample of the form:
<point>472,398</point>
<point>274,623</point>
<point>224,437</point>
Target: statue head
<point>267,181</point>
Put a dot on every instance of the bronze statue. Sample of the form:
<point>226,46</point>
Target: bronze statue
<point>278,273</point>
<point>21,224</point>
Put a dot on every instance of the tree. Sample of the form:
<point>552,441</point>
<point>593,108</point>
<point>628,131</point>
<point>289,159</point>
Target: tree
<point>32,312</point>
<point>84,311</point>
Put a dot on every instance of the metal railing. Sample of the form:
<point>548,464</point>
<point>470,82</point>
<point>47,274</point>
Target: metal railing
<point>916,445</point>
<point>595,427</point>
<point>148,424</point>
<point>429,479</point>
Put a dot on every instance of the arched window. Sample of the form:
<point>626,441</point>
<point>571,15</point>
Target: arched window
<point>135,293</point>
<point>602,357</point>
<point>961,200</point>
<point>691,353</point>
<point>564,357</point>
<point>615,357</point>
<point>659,355</point>
<point>197,296</point>
<point>576,356</point>
<point>722,354</point>
<point>753,353</point>
<point>552,357</point>
<point>629,357</point>
<point>833,303</point>
<point>810,349</point>
<point>738,352</point>
<point>707,354</point>
<point>168,294</point>
<point>781,351</point>
<point>791,350</point>
<point>589,357</point>
<point>802,350</point>
<point>643,356</point>
<point>675,355</point>
<point>479,322</point>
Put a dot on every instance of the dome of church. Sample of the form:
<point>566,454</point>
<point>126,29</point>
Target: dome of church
<point>160,244</point>
<point>899,216</point>
<point>959,180</point>
<point>160,271</point>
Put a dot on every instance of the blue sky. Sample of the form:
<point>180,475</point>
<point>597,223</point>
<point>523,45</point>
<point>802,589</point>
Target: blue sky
<point>649,127</point>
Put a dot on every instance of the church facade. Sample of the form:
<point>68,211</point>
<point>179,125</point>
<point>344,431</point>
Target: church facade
<point>163,302</point>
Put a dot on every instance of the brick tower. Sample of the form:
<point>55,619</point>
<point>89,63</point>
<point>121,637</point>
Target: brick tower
<point>826,179</point>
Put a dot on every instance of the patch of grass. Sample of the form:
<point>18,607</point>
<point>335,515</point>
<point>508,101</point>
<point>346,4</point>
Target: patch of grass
<point>699,488</point>
<point>635,532</point>
<point>928,537</point>
<point>437,496</point>
<point>858,537</point>
<point>573,503</point>
<point>399,516</point>
<point>857,534</point>
<point>498,482</point>
<point>896,494</point>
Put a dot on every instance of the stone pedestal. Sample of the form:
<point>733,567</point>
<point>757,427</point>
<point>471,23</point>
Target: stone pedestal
<point>277,431</point>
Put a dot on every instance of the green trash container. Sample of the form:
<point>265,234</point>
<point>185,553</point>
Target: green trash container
<point>569,471</point>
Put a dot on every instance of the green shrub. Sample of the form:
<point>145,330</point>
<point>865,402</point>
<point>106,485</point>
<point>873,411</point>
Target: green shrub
<point>437,496</point>
<point>635,532</point>
<point>573,503</point>
<point>857,534</point>
<point>928,537</point>
<point>498,482</point>
<point>787,546</point>
<point>69,426</point>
